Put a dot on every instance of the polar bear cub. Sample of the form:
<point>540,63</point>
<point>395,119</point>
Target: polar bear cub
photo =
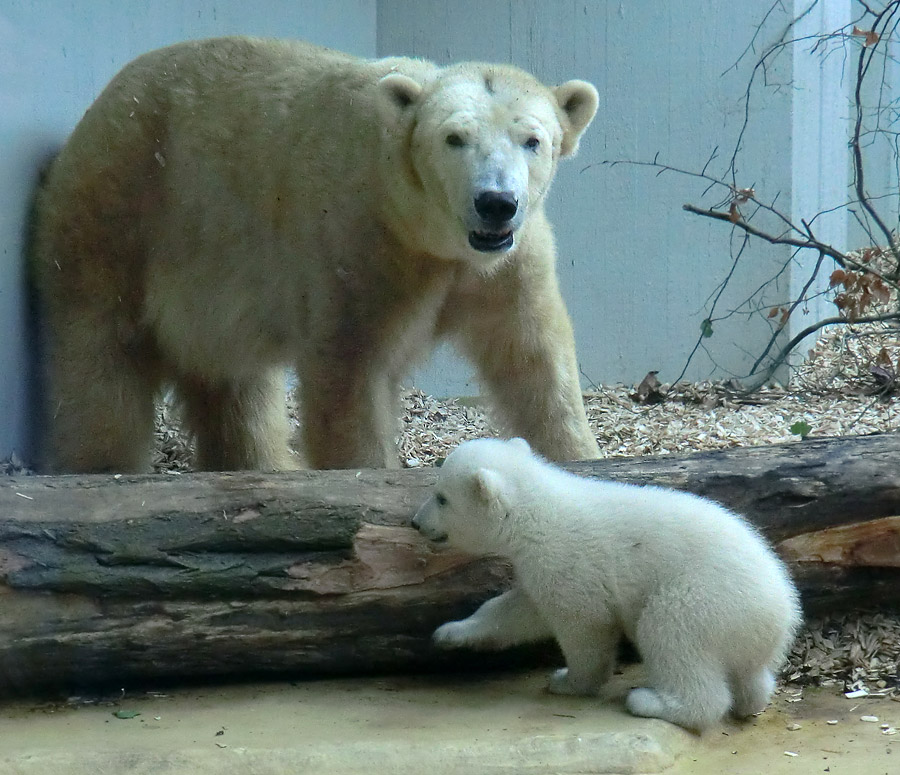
<point>708,605</point>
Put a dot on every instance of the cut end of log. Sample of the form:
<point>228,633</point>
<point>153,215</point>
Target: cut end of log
<point>872,544</point>
<point>384,557</point>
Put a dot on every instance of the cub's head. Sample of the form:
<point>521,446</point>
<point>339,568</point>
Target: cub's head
<point>478,146</point>
<point>474,495</point>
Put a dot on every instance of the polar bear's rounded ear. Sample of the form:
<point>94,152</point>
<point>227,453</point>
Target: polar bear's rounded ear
<point>396,92</point>
<point>579,102</point>
<point>488,485</point>
<point>520,444</point>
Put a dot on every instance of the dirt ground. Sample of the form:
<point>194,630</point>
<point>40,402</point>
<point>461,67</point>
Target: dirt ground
<point>435,724</point>
<point>801,727</point>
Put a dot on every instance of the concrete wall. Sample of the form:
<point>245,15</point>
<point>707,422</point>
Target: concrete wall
<point>55,57</point>
<point>820,129</point>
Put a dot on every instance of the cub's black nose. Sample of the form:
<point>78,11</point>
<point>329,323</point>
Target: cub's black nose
<point>496,207</point>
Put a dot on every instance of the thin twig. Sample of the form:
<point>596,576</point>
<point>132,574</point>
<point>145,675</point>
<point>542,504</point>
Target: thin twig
<point>811,243</point>
<point>764,376</point>
<point>865,58</point>
<point>796,303</point>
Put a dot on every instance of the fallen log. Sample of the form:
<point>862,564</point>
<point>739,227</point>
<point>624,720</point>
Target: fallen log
<point>125,579</point>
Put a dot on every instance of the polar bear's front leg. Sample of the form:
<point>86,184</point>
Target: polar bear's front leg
<point>516,330</point>
<point>590,653</point>
<point>349,415</point>
<point>501,622</point>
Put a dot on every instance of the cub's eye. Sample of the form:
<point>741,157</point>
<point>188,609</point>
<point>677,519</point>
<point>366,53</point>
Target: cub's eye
<point>532,143</point>
<point>441,499</point>
<point>454,140</point>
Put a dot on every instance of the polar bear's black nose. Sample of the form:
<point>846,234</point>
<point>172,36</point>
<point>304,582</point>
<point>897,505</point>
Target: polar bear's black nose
<point>496,207</point>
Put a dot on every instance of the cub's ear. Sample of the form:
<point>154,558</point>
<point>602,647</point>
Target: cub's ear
<point>396,93</point>
<point>488,485</point>
<point>578,101</point>
<point>520,444</point>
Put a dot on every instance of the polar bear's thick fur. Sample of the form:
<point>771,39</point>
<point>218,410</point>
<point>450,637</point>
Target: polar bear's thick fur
<point>232,206</point>
<point>708,605</point>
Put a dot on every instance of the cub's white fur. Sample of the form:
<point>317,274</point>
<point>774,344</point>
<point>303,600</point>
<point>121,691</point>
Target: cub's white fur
<point>709,606</point>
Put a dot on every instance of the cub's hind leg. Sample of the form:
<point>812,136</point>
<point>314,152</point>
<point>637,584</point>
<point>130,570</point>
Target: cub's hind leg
<point>752,692</point>
<point>688,684</point>
<point>692,695</point>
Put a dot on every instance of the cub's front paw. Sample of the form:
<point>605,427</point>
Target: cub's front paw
<point>562,683</point>
<point>453,635</point>
<point>559,682</point>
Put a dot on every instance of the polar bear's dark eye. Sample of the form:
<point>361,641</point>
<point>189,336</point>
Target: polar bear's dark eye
<point>455,141</point>
<point>532,143</point>
<point>441,499</point>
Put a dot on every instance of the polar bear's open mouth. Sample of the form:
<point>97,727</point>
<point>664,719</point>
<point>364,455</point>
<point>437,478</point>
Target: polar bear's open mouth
<point>491,242</point>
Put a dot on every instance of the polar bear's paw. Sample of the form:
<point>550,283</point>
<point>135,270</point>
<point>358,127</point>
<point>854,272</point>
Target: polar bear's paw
<point>461,634</point>
<point>561,682</point>
<point>646,703</point>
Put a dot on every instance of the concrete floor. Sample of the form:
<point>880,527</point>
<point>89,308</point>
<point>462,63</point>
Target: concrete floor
<point>430,726</point>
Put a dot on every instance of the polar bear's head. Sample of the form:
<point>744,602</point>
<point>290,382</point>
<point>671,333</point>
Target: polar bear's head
<point>474,495</point>
<point>477,148</point>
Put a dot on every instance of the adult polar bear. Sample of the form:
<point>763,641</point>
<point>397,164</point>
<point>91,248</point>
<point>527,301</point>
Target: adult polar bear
<point>230,206</point>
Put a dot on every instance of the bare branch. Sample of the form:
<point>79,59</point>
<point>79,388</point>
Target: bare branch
<point>782,356</point>
<point>809,242</point>
<point>801,297</point>
<point>866,53</point>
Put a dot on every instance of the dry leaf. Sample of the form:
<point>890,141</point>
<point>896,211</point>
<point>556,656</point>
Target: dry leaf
<point>883,376</point>
<point>650,390</point>
<point>871,37</point>
<point>880,291</point>
<point>870,253</point>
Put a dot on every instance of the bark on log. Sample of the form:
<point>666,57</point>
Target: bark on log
<point>127,579</point>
